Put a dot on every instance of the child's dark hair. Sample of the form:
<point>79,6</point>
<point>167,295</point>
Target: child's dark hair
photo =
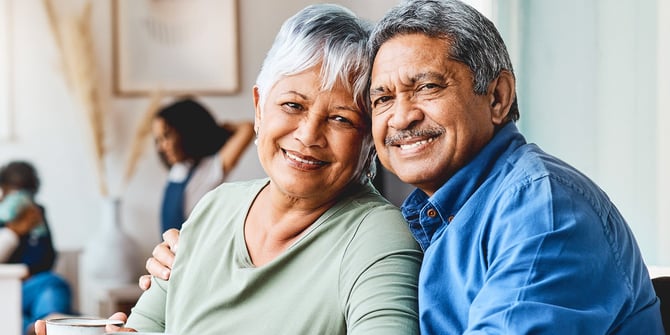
<point>200,134</point>
<point>20,175</point>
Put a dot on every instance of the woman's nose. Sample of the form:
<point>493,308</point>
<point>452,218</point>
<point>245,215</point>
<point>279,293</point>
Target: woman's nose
<point>310,131</point>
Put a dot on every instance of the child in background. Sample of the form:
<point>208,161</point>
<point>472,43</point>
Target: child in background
<point>25,238</point>
<point>12,204</point>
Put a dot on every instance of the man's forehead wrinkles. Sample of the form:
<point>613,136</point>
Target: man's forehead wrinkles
<point>403,79</point>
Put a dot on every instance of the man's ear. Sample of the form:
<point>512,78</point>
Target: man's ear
<point>502,93</point>
<point>257,109</point>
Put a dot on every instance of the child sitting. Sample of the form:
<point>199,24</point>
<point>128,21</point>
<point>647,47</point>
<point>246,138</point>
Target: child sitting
<point>25,238</point>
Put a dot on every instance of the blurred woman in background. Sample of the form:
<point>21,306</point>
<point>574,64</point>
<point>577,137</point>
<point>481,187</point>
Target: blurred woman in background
<point>198,152</point>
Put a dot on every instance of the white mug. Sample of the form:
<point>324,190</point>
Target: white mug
<point>79,326</point>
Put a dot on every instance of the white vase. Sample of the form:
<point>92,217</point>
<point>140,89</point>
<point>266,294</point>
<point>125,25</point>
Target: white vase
<point>110,256</point>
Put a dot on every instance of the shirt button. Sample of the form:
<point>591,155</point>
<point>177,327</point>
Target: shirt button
<point>432,213</point>
<point>450,218</point>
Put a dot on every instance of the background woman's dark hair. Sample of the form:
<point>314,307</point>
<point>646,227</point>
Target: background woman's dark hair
<point>200,134</point>
<point>20,175</point>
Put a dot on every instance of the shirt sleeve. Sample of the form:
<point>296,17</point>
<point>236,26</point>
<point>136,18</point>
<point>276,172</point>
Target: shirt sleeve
<point>551,264</point>
<point>8,243</point>
<point>148,315</point>
<point>379,277</point>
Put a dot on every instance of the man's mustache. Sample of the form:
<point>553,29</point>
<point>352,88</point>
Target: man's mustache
<point>402,135</point>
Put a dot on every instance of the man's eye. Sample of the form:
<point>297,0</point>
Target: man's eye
<point>429,86</point>
<point>380,101</point>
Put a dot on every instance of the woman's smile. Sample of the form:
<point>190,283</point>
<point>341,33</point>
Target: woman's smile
<point>302,161</point>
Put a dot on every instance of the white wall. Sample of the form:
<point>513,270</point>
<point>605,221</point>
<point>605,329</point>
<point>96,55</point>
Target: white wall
<point>590,92</point>
<point>663,131</point>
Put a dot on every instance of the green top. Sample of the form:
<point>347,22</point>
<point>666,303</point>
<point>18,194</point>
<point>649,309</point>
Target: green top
<point>355,271</point>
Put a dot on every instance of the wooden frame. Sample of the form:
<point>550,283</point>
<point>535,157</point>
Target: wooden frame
<point>176,46</point>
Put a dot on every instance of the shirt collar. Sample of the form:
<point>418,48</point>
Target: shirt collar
<point>179,171</point>
<point>451,196</point>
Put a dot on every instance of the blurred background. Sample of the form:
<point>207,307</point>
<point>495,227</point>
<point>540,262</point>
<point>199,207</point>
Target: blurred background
<point>593,81</point>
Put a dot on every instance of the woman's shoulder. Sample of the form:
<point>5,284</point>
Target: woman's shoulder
<point>380,240</point>
<point>233,193</point>
<point>241,186</point>
<point>366,201</point>
<point>230,200</point>
<point>370,215</point>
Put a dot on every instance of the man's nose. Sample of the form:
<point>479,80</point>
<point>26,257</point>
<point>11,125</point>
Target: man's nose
<point>405,113</point>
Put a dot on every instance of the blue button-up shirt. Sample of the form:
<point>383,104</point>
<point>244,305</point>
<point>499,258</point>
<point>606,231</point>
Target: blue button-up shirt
<point>519,242</point>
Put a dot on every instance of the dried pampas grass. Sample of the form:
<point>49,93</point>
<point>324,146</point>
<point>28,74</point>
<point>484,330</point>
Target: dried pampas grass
<point>74,39</point>
<point>142,132</point>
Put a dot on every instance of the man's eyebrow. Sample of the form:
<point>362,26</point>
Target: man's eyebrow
<point>378,90</point>
<point>427,75</point>
<point>421,76</point>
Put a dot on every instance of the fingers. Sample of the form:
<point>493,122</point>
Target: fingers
<point>157,269</point>
<point>145,282</point>
<point>164,254</point>
<point>160,264</point>
<point>119,316</point>
<point>40,327</point>
<point>171,236</point>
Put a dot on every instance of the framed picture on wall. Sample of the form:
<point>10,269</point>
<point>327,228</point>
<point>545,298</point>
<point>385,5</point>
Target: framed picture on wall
<point>175,46</point>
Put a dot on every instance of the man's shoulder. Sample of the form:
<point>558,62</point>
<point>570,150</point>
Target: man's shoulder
<point>530,163</point>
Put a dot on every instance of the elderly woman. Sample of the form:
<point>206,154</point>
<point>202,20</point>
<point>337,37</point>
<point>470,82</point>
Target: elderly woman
<point>314,248</point>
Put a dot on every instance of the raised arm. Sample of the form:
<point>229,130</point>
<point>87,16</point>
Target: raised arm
<point>231,152</point>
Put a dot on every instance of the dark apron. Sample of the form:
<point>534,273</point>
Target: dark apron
<point>172,209</point>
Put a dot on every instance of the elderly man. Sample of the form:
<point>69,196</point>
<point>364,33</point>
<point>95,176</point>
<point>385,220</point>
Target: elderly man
<point>515,240</point>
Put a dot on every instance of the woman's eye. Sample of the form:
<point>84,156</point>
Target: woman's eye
<point>293,106</point>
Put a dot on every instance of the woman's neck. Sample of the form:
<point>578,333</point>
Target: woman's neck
<point>276,221</point>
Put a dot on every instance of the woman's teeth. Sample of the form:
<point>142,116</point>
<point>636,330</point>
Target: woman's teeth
<point>302,160</point>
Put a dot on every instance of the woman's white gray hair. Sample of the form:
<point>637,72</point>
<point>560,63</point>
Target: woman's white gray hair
<point>474,39</point>
<point>334,38</point>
